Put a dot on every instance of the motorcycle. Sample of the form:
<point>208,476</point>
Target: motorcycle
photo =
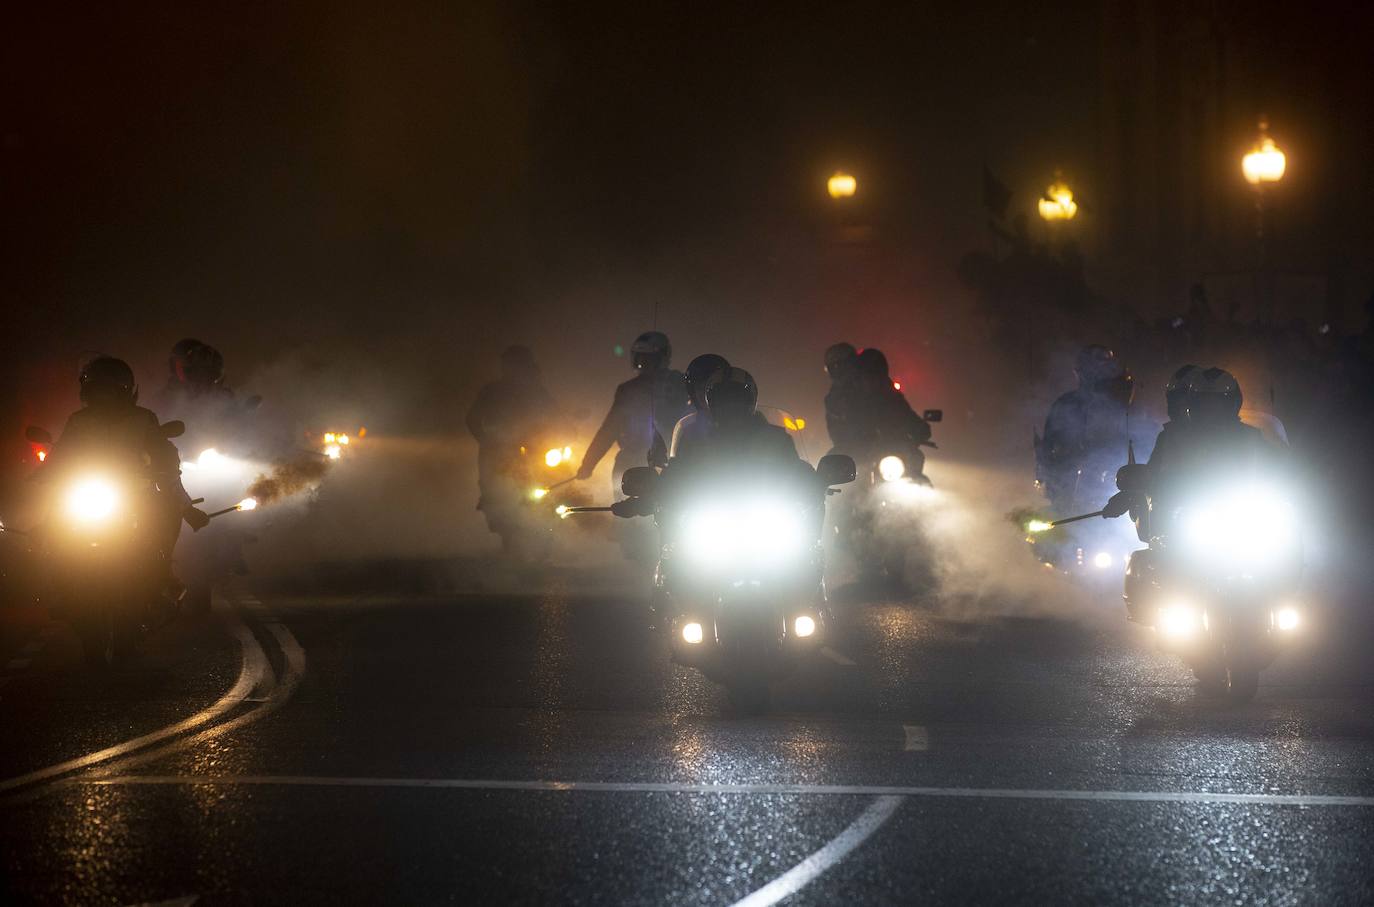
<point>1220,581</point>
<point>103,564</point>
<point>877,524</point>
<point>740,580</point>
<point>522,501</point>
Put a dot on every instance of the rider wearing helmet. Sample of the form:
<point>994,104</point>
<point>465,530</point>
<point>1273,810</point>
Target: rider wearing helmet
<point>844,402</point>
<point>1086,433</point>
<point>701,372</point>
<point>196,369</point>
<point>111,425</point>
<point>644,411</point>
<point>738,431</point>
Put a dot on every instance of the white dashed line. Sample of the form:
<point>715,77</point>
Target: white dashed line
<point>917,738</point>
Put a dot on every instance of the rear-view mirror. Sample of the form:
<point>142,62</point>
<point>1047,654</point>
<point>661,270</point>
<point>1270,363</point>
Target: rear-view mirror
<point>38,435</point>
<point>836,469</point>
<point>638,482</point>
<point>174,429</point>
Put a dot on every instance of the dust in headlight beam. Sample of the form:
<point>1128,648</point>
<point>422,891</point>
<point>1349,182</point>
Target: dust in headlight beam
<point>287,478</point>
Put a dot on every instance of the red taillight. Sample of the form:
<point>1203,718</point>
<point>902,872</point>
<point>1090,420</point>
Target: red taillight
<point>41,454</point>
<point>896,385</point>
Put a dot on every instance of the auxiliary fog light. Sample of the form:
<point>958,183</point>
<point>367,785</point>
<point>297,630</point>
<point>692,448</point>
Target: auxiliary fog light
<point>1178,620</point>
<point>1287,619</point>
<point>691,633</point>
<point>804,626</point>
<point>891,468</point>
<point>1102,560</point>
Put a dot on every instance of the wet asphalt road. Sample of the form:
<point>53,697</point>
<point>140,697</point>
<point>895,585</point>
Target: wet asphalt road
<point>409,747</point>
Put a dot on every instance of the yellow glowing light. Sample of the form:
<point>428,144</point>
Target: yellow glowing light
<point>841,185</point>
<point>42,455</point>
<point>561,510</point>
<point>801,424</point>
<point>538,493</point>
<point>333,452</point>
<point>1058,203</point>
<point>567,453</point>
<point>1264,163</point>
<point>691,633</point>
<point>92,501</point>
<point>329,437</point>
<point>1039,526</point>
<point>248,504</point>
<point>362,432</point>
<point>343,439</point>
<point>804,626</point>
<point>553,457</point>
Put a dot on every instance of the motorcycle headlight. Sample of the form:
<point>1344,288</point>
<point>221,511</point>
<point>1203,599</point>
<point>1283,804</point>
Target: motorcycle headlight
<point>1253,526</point>
<point>766,532</point>
<point>92,501</point>
<point>891,468</point>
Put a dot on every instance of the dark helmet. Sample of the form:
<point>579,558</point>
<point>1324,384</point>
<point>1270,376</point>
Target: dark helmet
<point>105,379</point>
<point>1176,392</point>
<point>651,349</point>
<point>1213,397</point>
<point>699,373</point>
<point>181,351</point>
<point>1096,363</point>
<point>196,363</point>
<point>840,360</point>
<point>873,364</point>
<point>733,397</point>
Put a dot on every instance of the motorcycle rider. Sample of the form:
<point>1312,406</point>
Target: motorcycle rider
<point>887,421</point>
<point>843,402</point>
<point>506,413</point>
<point>1086,432</point>
<point>740,439</point>
<point>195,372</point>
<point>112,424</point>
<point>1205,442</point>
<point>701,372</point>
<point>643,413</point>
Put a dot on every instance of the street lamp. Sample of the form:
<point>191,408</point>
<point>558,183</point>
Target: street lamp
<point>1057,202</point>
<point>1264,163</point>
<point>841,185</point>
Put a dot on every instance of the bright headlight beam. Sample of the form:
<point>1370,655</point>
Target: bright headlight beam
<point>1102,560</point>
<point>92,500</point>
<point>1178,620</point>
<point>1287,619</point>
<point>804,626</point>
<point>691,633</point>
<point>553,457</point>
<point>891,468</point>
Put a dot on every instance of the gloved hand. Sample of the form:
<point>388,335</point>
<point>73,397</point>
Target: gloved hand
<point>196,518</point>
<point>1120,504</point>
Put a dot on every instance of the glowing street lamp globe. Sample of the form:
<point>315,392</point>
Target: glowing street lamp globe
<point>841,185</point>
<point>1058,203</point>
<point>1264,163</point>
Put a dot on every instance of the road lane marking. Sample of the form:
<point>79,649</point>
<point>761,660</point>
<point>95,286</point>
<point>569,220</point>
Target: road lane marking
<point>281,690</point>
<point>837,657</point>
<point>917,738</point>
<point>253,666</point>
<point>674,787</point>
<point>835,850</point>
